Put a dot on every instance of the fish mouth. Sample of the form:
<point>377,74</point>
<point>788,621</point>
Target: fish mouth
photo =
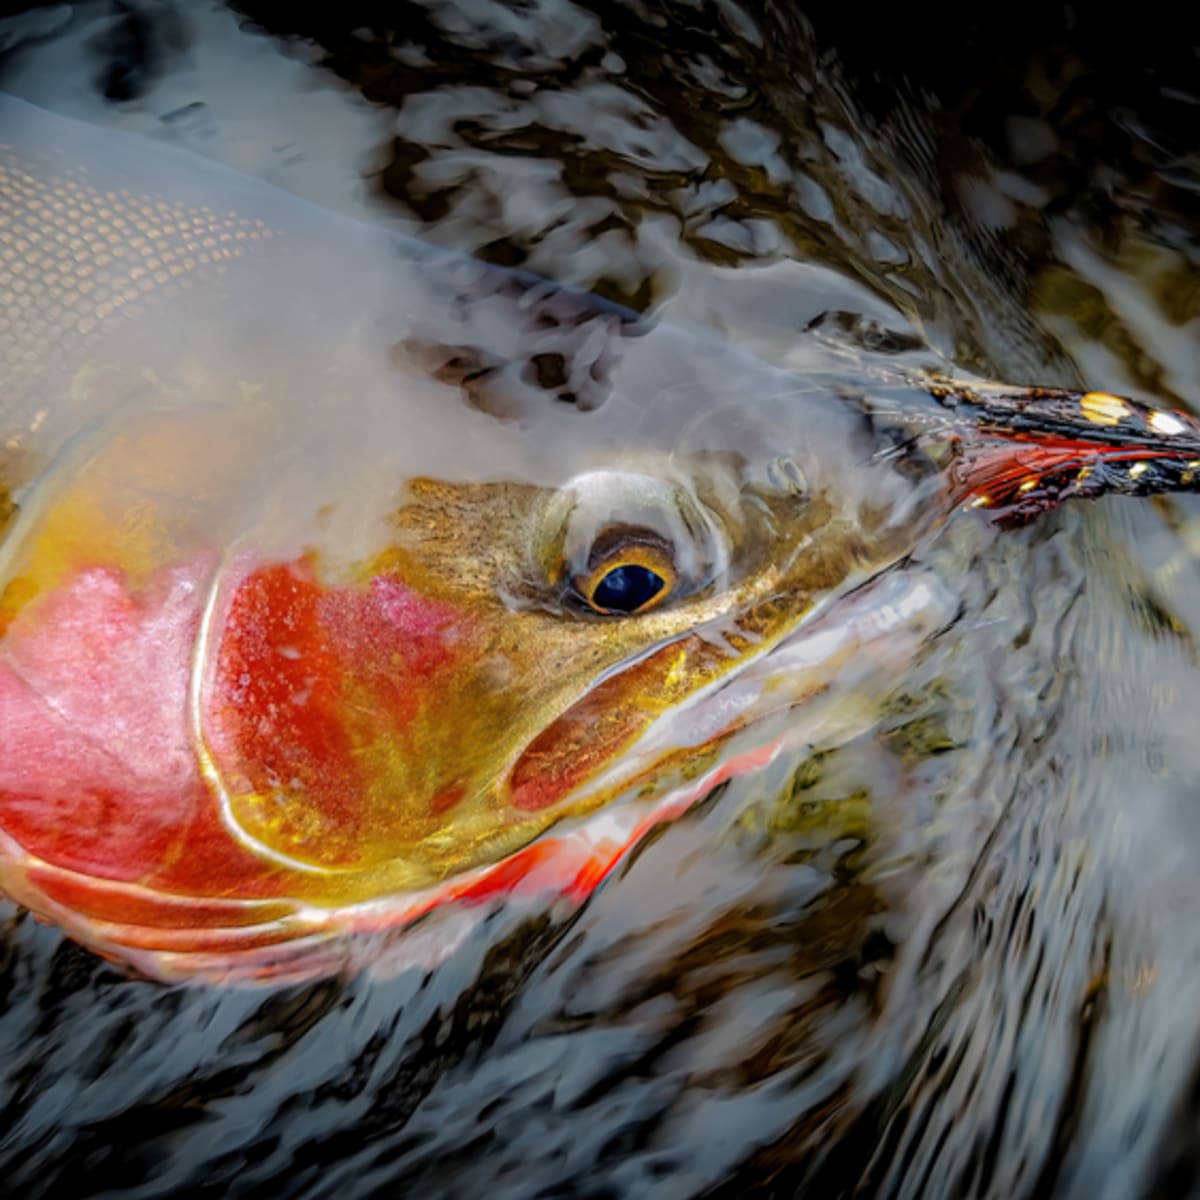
<point>1014,452</point>
<point>851,643</point>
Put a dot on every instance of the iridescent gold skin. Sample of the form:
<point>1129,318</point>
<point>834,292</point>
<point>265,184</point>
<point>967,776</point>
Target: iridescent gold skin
<point>299,629</point>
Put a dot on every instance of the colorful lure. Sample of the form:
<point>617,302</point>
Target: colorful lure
<point>1079,444</point>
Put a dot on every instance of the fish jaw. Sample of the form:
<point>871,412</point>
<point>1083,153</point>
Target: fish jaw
<point>811,686</point>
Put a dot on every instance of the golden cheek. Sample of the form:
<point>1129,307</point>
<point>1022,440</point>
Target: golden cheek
<point>605,577</point>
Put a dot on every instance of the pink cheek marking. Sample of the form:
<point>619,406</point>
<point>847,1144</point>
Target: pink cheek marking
<point>396,643</point>
<point>115,668</point>
<point>426,632</point>
<point>97,771</point>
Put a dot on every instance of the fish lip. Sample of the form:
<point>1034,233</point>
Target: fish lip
<point>874,626</point>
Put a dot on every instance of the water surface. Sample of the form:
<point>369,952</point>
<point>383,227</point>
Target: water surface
<point>953,954</point>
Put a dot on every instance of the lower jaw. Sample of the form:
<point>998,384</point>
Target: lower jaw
<point>311,942</point>
<point>812,686</point>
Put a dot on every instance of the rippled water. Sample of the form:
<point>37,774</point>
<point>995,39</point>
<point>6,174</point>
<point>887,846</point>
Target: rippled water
<point>956,954</point>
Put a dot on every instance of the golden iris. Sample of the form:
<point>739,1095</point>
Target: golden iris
<point>633,579</point>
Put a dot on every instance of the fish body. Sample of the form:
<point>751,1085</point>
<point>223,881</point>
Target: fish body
<point>344,579</point>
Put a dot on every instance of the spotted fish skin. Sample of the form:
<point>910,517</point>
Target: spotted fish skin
<point>72,257</point>
<point>257,473</point>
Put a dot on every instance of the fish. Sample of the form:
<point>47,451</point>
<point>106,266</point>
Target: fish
<point>348,581</point>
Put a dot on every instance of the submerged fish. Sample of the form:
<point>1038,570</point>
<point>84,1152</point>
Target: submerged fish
<point>344,580</point>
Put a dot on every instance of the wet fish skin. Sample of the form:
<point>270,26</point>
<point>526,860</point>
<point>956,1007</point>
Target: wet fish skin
<point>192,482</point>
<point>336,496</point>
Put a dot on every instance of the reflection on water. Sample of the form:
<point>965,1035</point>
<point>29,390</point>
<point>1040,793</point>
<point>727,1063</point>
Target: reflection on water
<point>954,954</point>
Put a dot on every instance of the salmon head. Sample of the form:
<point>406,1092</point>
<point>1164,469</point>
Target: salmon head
<point>343,581</point>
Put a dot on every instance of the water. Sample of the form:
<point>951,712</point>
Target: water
<point>954,954</point>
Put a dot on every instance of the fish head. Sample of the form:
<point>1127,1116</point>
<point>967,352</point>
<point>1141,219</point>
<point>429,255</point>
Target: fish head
<point>297,647</point>
<point>513,653</point>
<point>525,661</point>
<point>318,712</point>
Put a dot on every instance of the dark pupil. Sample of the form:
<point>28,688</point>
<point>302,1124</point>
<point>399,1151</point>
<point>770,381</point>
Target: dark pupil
<point>627,588</point>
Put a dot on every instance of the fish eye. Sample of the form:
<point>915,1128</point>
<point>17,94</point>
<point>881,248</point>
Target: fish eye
<point>626,588</point>
<point>628,578</point>
<point>620,543</point>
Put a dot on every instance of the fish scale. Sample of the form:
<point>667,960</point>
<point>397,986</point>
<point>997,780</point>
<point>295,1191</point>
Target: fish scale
<point>72,256</point>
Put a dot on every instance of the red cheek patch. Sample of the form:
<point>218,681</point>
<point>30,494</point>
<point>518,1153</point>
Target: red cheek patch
<point>314,698</point>
<point>276,709</point>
